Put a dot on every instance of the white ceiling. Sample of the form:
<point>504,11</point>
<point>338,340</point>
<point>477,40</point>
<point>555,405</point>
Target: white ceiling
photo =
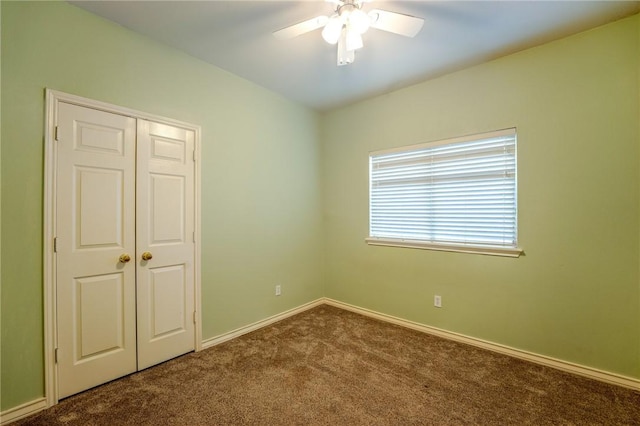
<point>236,36</point>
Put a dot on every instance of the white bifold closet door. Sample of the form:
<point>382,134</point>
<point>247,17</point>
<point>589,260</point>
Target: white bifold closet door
<point>124,245</point>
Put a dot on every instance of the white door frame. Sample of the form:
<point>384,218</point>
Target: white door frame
<point>50,166</point>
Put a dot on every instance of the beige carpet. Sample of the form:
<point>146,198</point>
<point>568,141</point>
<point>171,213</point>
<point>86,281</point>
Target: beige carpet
<point>328,366</point>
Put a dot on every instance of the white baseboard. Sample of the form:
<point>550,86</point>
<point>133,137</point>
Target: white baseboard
<point>216,340</point>
<point>21,411</point>
<point>592,373</point>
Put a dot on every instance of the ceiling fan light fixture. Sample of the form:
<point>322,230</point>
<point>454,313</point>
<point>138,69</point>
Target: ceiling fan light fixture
<point>353,39</point>
<point>347,24</point>
<point>359,21</point>
<point>331,32</point>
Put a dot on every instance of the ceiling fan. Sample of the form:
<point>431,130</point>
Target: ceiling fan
<point>347,24</point>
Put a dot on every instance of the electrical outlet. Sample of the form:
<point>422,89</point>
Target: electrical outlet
<point>278,290</point>
<point>437,301</point>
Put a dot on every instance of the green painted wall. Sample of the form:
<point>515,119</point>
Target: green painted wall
<point>261,212</point>
<point>575,295</point>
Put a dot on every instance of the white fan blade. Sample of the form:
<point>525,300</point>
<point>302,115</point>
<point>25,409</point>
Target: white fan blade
<point>396,23</point>
<point>301,28</point>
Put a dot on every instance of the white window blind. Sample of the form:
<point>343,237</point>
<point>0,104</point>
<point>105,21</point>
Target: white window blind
<point>455,193</point>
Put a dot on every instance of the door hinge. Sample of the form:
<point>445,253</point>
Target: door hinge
<point>193,235</point>
<point>55,136</point>
<point>194,317</point>
<point>55,244</point>
<point>55,355</point>
<point>194,155</point>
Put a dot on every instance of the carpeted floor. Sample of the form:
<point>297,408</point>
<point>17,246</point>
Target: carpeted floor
<point>328,366</point>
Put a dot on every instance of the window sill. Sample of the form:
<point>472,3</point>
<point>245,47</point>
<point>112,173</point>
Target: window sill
<point>424,245</point>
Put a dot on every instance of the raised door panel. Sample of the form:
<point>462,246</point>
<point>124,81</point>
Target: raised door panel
<point>99,214</point>
<point>166,219</point>
<point>99,316</point>
<point>99,138</point>
<point>168,301</point>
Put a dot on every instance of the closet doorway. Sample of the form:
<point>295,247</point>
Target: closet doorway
<point>123,208</point>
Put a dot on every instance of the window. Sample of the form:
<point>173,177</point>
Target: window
<point>457,195</point>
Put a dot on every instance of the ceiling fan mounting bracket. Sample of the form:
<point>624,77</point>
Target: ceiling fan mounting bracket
<point>348,6</point>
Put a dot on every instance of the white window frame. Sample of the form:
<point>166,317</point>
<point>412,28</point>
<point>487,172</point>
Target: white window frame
<point>507,248</point>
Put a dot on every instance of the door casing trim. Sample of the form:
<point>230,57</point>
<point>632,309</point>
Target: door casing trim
<point>52,99</point>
